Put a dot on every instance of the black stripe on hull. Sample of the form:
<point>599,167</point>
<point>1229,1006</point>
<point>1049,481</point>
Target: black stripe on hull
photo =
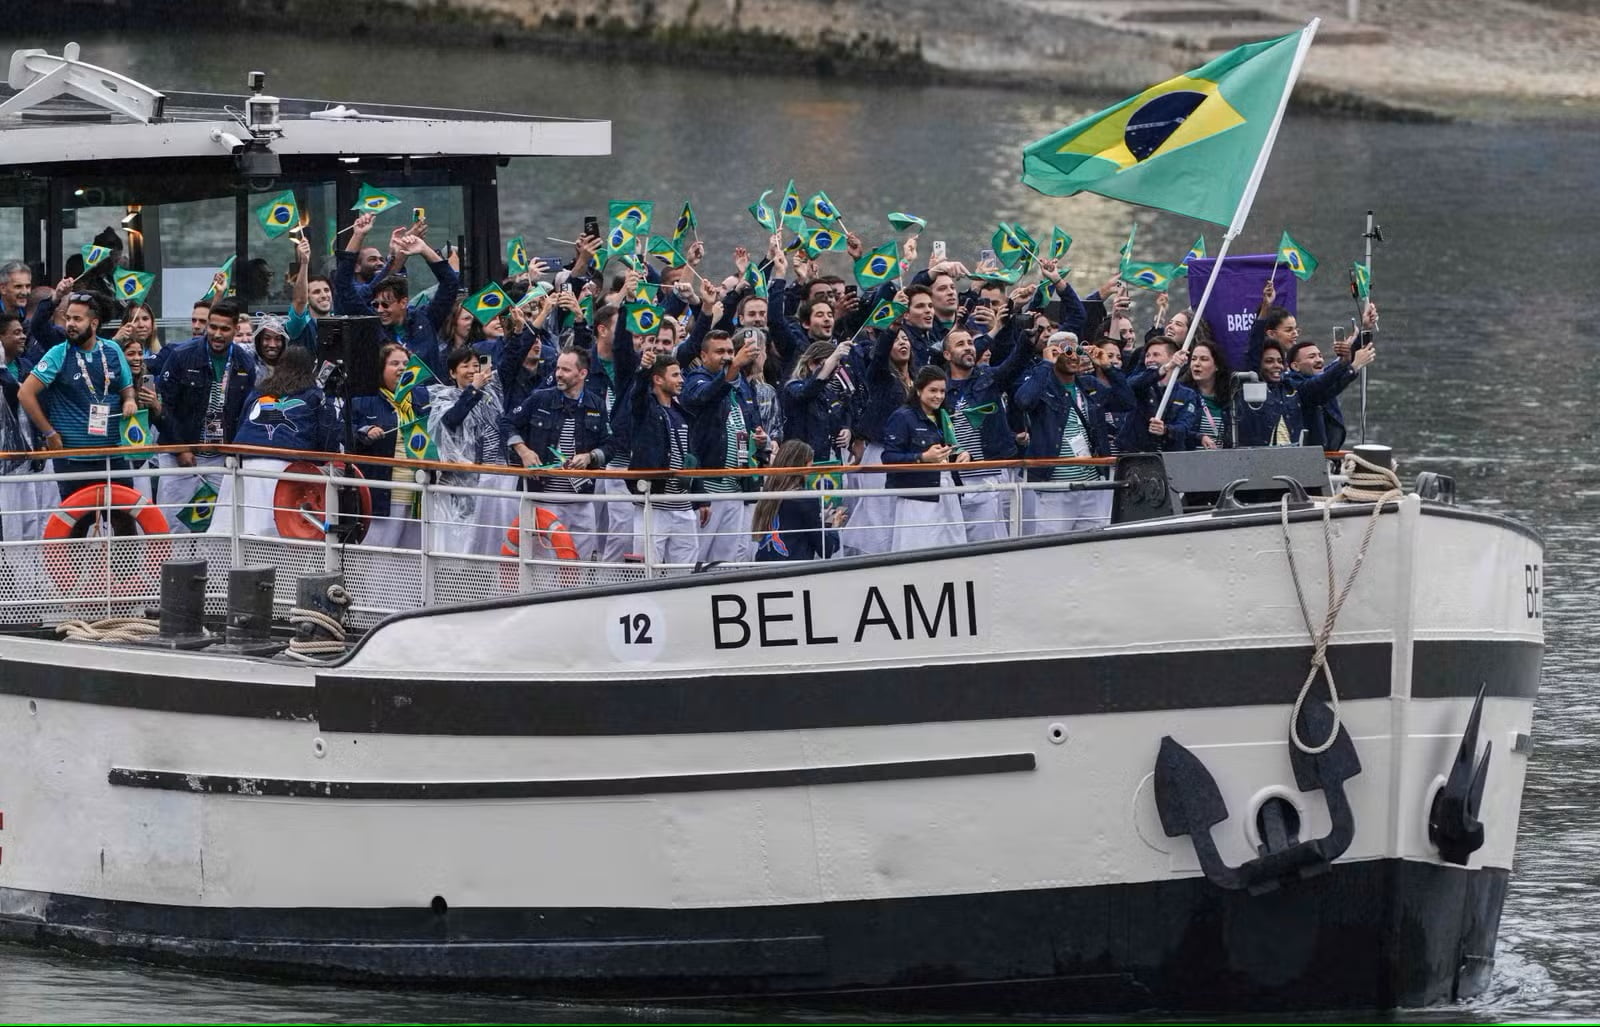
<point>776,700</point>
<point>1368,935</point>
<point>568,788</point>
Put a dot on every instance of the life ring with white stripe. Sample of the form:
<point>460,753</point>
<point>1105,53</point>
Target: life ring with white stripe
<point>549,531</point>
<point>119,510</point>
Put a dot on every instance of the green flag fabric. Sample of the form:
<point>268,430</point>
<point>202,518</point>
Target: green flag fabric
<point>886,313</point>
<point>1296,257</point>
<point>516,256</point>
<point>765,216</point>
<point>821,209</point>
<point>132,286</point>
<point>877,266</point>
<point>226,271</point>
<point>279,214</point>
<point>413,374</point>
<point>789,212</point>
<point>662,249</point>
<point>1197,251</point>
<point>687,223</point>
<point>418,441</point>
<point>374,201</point>
<point>643,318</point>
<point>823,240</point>
<point>1361,276</point>
<point>1007,245</point>
<point>1152,277</point>
<point>136,432</point>
<point>756,278</point>
<point>900,221</point>
<point>1060,243</point>
<point>636,214</point>
<point>1004,275</point>
<point>94,254</point>
<point>947,429</point>
<point>488,303</point>
<point>1186,145</point>
<point>202,504</point>
<point>619,241</point>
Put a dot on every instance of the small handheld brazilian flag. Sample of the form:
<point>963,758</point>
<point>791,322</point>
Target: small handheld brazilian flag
<point>226,271</point>
<point>821,209</point>
<point>828,477</point>
<point>662,249</point>
<point>1296,258</point>
<point>619,241</point>
<point>1006,275</point>
<point>94,254</point>
<point>900,221</point>
<point>1152,277</point>
<point>1361,280</point>
<point>131,286</point>
<point>586,308</point>
<point>136,431</point>
<point>418,441</point>
<point>886,313</point>
<point>516,256</point>
<point>1197,251</point>
<point>643,318</point>
<point>202,504</point>
<point>789,212</point>
<point>635,214</point>
<point>413,374</point>
<point>279,214</point>
<point>1060,243</point>
<point>947,428</point>
<point>537,290</point>
<point>488,303</point>
<point>1007,246</point>
<point>878,266</point>
<point>374,201</point>
<point>765,216</point>
<point>823,240</point>
<point>756,278</point>
<point>686,223</point>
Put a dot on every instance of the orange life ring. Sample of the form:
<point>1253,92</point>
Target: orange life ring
<point>292,500</point>
<point>121,506</point>
<point>550,532</point>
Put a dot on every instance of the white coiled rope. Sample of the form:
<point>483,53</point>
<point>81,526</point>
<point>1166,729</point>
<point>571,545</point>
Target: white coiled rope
<point>319,649</point>
<point>111,629</point>
<point>1366,482</point>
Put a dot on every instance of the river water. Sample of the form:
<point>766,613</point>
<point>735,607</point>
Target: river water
<point>1487,370</point>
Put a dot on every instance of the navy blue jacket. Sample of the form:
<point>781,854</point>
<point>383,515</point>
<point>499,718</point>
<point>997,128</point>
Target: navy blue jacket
<point>516,383</point>
<point>906,436</point>
<point>352,297</point>
<point>424,329</point>
<point>185,389</point>
<point>1323,419</point>
<point>1182,415</point>
<point>1043,399</point>
<point>814,412</point>
<point>990,385</point>
<point>705,401</point>
<point>882,391</point>
<point>536,422</point>
<point>303,421</point>
<point>650,429</point>
<point>797,534</point>
<point>367,411</point>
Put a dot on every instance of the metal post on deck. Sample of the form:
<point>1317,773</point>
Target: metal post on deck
<point>424,508</point>
<point>526,516</point>
<point>235,501</point>
<point>331,562</point>
<point>1016,504</point>
<point>649,537</point>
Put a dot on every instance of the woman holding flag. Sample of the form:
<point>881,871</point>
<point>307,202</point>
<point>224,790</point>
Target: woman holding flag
<point>394,423</point>
<point>920,433</point>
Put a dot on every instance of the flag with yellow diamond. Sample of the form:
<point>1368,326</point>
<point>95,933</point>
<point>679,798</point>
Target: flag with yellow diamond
<point>488,303</point>
<point>1296,257</point>
<point>1153,277</point>
<point>687,223</point>
<point>886,313</point>
<point>635,214</point>
<point>877,266</point>
<point>516,256</point>
<point>1060,243</point>
<point>823,240</point>
<point>1187,145</point>
<point>643,318</point>
<point>765,216</point>
<point>413,374</point>
<point>418,440</point>
<point>131,286</point>
<point>789,213</point>
<point>279,214</point>
<point>374,201</point>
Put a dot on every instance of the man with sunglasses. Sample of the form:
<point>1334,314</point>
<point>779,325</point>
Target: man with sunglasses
<point>79,392</point>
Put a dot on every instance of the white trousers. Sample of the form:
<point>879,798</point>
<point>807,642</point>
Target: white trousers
<point>620,521</point>
<point>579,520</point>
<point>174,492</point>
<point>987,514</point>
<point>257,501</point>
<point>395,532</point>
<point>674,536</point>
<point>925,523</point>
<point>493,516</point>
<point>870,527</point>
<point>23,508</point>
<point>1065,511</point>
<point>725,536</point>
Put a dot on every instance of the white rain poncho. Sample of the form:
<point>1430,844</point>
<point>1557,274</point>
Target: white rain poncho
<point>476,440</point>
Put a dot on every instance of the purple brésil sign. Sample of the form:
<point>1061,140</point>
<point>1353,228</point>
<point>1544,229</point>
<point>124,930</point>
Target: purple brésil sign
<point>1236,297</point>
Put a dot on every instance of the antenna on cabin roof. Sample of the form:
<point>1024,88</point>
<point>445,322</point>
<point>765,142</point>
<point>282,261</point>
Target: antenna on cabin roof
<point>39,78</point>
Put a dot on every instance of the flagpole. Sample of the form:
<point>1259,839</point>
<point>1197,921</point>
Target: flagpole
<point>1246,200</point>
<point>1361,311</point>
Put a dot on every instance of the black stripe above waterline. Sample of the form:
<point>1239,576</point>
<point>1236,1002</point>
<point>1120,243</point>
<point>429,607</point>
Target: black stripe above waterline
<point>1457,668</point>
<point>571,788</point>
<point>856,697</point>
<point>109,686</point>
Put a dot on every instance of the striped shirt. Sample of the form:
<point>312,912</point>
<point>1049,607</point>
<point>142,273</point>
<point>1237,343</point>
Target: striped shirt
<point>1074,442</point>
<point>566,444</point>
<point>677,447</point>
<point>1211,419</point>
<point>737,453</point>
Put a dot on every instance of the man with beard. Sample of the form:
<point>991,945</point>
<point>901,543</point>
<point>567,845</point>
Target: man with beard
<point>975,401</point>
<point>726,431</point>
<point>1066,408</point>
<point>78,393</point>
<point>566,424</point>
<point>203,388</point>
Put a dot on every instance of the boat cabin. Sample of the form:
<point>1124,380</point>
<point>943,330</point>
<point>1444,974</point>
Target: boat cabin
<point>180,176</point>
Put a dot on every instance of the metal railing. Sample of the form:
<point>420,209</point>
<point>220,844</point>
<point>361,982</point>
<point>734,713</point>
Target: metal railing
<point>466,531</point>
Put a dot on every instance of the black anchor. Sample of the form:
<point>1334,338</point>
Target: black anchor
<point>1453,823</point>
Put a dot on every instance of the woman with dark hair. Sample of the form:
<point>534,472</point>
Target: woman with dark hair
<point>145,395</point>
<point>465,424</point>
<point>1208,375</point>
<point>287,411</point>
<point>816,399</point>
<point>793,529</point>
<point>381,424</point>
<point>914,434</point>
<point>888,384</point>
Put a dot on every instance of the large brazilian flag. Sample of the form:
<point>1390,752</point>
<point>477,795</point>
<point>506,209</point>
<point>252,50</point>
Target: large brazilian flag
<point>1187,145</point>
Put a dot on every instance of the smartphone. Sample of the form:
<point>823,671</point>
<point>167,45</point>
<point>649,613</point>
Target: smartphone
<point>938,250</point>
<point>850,290</point>
<point>147,381</point>
<point>566,286</point>
<point>1338,334</point>
<point>419,213</point>
<point>483,360</point>
<point>986,257</point>
<point>591,225</point>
